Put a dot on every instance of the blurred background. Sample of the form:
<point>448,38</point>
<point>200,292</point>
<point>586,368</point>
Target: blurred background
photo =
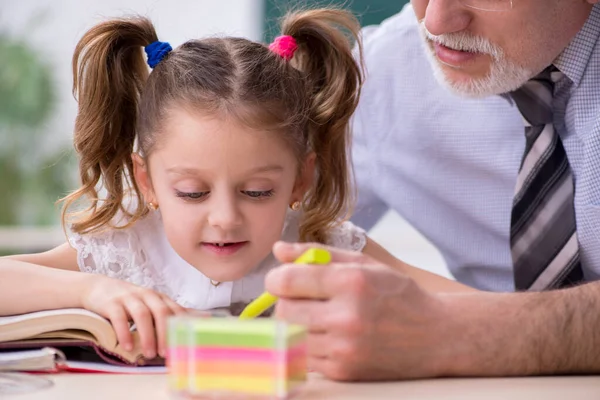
<point>37,109</point>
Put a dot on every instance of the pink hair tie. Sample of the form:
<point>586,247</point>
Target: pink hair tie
<point>285,46</point>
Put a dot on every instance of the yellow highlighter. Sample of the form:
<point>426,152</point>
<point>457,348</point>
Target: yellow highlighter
<point>266,300</point>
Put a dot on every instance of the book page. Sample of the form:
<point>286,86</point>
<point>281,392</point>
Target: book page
<point>82,366</point>
<point>48,313</point>
<point>30,360</point>
<point>57,324</point>
<point>70,323</point>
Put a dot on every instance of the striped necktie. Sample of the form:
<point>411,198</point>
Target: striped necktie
<point>543,238</point>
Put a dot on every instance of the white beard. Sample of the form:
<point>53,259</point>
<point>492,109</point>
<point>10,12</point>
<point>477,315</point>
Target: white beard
<point>504,76</point>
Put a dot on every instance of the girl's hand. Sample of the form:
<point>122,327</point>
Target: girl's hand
<point>121,302</point>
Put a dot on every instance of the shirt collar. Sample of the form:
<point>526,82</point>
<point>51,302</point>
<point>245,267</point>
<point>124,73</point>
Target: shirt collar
<point>575,57</point>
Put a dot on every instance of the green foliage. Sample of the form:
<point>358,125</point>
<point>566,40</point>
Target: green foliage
<point>25,85</point>
<point>31,179</point>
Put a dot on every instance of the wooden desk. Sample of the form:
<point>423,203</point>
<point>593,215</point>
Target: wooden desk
<point>153,387</point>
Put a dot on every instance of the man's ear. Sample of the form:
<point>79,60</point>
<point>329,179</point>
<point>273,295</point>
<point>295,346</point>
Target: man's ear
<point>305,178</point>
<point>142,178</point>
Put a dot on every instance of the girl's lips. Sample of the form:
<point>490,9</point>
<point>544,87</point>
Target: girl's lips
<point>455,58</point>
<point>227,250</point>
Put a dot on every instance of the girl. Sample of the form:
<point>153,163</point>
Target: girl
<point>190,173</point>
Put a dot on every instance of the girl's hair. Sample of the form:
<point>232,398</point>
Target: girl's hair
<point>308,101</point>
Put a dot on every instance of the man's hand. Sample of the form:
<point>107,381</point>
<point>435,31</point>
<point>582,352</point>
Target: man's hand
<point>366,321</point>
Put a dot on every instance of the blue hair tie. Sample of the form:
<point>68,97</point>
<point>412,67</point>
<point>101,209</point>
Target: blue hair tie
<point>156,52</point>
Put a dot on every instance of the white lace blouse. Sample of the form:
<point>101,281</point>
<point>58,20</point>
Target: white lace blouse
<point>142,255</point>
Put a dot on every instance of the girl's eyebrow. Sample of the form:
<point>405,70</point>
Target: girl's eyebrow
<point>266,168</point>
<point>183,170</point>
<point>195,171</point>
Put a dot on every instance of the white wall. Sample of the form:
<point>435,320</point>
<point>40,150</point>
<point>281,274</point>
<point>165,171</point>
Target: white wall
<point>406,243</point>
<point>55,26</point>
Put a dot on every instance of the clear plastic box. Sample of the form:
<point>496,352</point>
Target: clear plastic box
<point>225,357</point>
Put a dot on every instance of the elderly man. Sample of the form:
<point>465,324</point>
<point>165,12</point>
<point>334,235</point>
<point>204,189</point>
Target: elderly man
<point>506,183</point>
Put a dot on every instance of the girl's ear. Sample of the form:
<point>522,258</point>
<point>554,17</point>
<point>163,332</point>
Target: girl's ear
<point>142,178</point>
<point>305,178</point>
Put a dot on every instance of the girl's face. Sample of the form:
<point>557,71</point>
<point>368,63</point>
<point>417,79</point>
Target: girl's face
<point>223,191</point>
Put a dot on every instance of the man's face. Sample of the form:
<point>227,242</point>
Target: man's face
<point>479,53</point>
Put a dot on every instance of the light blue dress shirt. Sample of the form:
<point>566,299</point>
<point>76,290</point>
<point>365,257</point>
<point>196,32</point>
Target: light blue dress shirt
<point>449,164</point>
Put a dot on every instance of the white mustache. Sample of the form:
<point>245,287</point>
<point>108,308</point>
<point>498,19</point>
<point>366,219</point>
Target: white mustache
<point>465,42</point>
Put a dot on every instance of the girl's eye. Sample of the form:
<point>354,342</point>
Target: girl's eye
<point>256,194</point>
<point>190,195</point>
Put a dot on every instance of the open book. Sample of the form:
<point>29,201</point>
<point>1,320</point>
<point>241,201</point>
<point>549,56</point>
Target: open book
<point>81,335</point>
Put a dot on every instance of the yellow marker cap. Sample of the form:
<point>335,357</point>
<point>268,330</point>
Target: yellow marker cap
<point>314,256</point>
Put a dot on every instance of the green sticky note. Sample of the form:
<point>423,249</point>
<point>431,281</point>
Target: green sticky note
<point>236,333</point>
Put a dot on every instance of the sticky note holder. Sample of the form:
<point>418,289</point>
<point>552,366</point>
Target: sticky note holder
<point>225,357</point>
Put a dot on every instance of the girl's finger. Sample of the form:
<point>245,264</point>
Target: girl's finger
<point>142,317</point>
<point>160,311</point>
<point>175,308</point>
<point>117,316</point>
